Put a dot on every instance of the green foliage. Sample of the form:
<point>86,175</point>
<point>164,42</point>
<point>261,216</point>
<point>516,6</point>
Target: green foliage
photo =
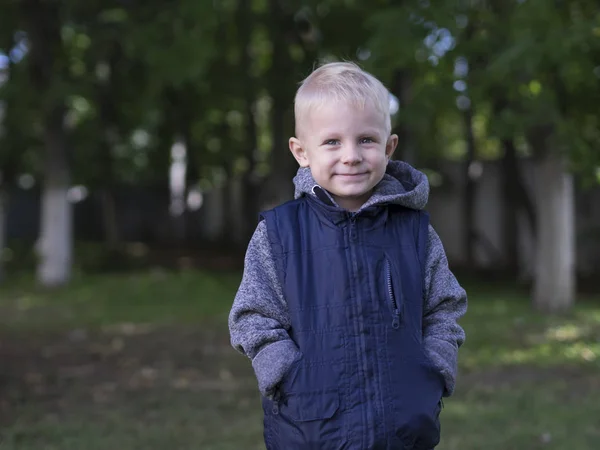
<point>195,69</point>
<point>174,43</point>
<point>529,63</point>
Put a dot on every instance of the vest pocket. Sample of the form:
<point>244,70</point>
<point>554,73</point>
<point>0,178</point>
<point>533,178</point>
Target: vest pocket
<point>416,388</point>
<point>309,411</point>
<point>310,406</point>
<point>309,420</point>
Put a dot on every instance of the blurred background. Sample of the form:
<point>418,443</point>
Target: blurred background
<point>139,141</point>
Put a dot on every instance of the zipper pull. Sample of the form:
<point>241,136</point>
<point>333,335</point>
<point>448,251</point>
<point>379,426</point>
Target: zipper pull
<point>396,320</point>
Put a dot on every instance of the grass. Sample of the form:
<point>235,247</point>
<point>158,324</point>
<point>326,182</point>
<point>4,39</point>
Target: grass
<point>157,297</point>
<point>143,361</point>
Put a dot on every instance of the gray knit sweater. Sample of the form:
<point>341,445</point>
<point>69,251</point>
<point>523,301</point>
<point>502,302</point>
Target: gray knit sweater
<point>259,321</point>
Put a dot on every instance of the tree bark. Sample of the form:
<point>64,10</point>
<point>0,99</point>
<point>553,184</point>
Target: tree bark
<point>470,191</point>
<point>109,123</point>
<point>251,188</point>
<point>282,162</point>
<point>511,202</point>
<point>554,284</point>
<point>8,173</point>
<point>402,89</point>
<point>56,235</point>
<point>109,219</point>
<point>3,223</point>
<point>283,165</point>
<point>516,200</point>
<point>46,67</point>
<point>107,187</point>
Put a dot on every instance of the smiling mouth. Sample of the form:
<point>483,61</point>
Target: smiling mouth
<point>351,174</point>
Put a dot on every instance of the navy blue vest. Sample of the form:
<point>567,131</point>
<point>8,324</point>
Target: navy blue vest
<point>354,286</point>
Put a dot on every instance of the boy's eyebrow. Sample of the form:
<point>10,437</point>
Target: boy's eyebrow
<point>361,132</point>
<point>371,131</point>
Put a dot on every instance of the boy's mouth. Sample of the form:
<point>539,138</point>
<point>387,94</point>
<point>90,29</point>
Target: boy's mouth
<point>351,175</point>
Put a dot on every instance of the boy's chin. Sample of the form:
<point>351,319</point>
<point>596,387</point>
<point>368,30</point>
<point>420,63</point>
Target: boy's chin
<point>352,197</point>
<point>352,193</point>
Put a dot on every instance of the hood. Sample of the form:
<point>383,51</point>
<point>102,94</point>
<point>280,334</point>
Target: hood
<point>402,185</point>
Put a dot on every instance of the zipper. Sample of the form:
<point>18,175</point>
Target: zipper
<point>353,227</point>
<point>358,326</point>
<point>392,297</point>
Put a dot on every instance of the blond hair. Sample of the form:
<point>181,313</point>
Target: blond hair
<point>341,82</point>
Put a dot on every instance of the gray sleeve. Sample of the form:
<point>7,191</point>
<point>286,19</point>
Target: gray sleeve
<point>445,304</point>
<point>259,320</point>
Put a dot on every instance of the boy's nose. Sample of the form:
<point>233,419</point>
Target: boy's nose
<point>351,155</point>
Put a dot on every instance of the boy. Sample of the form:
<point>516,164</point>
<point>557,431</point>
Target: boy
<point>347,307</point>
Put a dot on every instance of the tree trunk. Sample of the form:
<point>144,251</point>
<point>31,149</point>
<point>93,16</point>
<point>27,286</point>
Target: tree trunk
<point>56,239</point>
<point>192,177</point>
<point>3,230</point>
<point>109,122</point>
<point>470,191</point>
<point>554,284</point>
<point>283,165</point>
<point>511,202</point>
<point>250,183</point>
<point>235,196</point>
<point>517,200</point>
<point>7,176</point>
<point>107,190</point>
<point>282,162</point>
<point>178,190</point>
<point>109,219</point>
<point>402,89</point>
<point>47,65</point>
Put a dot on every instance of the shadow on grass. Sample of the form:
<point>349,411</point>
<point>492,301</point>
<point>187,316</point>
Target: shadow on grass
<point>503,330</point>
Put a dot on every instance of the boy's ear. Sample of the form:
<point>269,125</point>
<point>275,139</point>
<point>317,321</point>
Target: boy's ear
<point>390,145</point>
<point>298,151</point>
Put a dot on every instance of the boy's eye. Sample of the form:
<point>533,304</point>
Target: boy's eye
<point>367,140</point>
<point>331,142</point>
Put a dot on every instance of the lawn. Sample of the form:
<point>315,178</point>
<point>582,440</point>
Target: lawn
<point>143,361</point>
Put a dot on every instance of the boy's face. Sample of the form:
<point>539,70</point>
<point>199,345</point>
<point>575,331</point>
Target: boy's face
<point>347,150</point>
